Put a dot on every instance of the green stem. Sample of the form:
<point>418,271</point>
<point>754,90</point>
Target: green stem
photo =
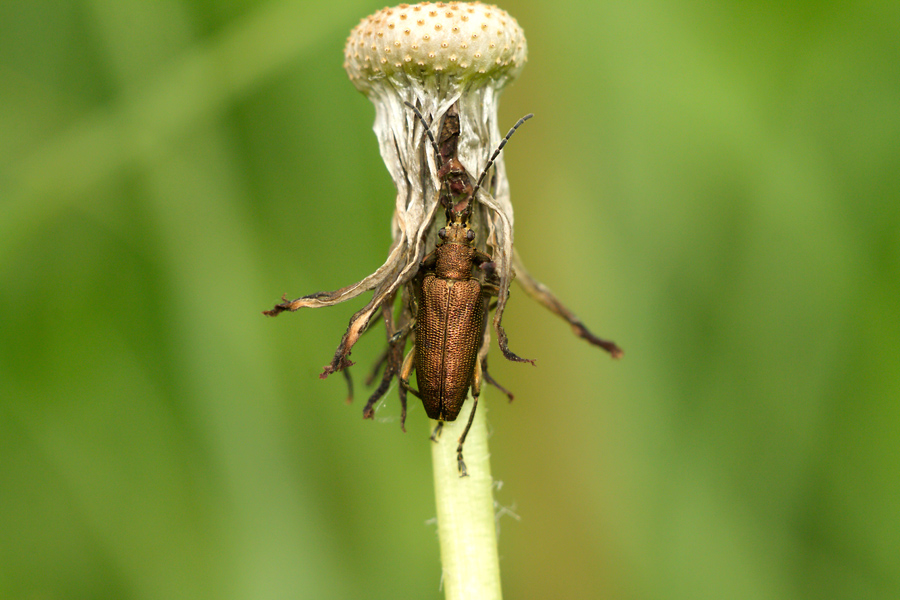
<point>465,510</point>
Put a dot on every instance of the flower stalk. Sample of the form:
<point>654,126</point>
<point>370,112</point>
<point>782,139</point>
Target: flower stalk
<point>465,511</point>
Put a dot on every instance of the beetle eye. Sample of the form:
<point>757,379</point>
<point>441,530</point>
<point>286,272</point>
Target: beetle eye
<point>442,233</point>
<point>470,235</point>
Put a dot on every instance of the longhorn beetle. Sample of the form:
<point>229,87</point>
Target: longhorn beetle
<point>452,303</point>
<point>443,302</point>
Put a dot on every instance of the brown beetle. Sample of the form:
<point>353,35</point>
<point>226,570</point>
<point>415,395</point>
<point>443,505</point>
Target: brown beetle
<point>449,327</point>
<point>452,303</point>
<point>444,303</point>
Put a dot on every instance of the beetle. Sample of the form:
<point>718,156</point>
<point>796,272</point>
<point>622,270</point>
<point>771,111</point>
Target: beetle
<point>451,302</point>
<point>443,303</point>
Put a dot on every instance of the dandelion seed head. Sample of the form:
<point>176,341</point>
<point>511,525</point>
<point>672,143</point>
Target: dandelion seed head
<point>436,56</point>
<point>440,26</point>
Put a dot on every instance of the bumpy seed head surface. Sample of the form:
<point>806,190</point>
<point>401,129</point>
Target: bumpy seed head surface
<point>456,39</point>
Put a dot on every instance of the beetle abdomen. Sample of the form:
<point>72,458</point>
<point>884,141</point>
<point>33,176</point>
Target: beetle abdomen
<point>448,335</point>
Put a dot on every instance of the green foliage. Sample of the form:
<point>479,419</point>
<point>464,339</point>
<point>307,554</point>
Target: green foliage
<point>713,186</point>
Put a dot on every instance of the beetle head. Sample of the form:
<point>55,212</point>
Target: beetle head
<point>457,230</point>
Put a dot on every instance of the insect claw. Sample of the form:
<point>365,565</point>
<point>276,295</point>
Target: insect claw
<point>462,465</point>
<point>507,353</point>
<point>437,431</point>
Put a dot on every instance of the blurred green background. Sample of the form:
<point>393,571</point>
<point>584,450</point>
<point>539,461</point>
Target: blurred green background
<point>713,185</point>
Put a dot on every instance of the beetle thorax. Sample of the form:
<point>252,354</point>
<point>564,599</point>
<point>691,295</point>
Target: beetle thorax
<point>454,261</point>
<point>456,254</point>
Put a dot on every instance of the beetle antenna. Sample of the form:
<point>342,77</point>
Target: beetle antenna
<point>434,145</point>
<point>497,152</point>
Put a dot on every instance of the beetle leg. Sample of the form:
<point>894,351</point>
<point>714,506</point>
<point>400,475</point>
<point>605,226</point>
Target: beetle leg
<point>542,294</point>
<point>428,262</point>
<point>404,385</point>
<point>376,368</point>
<point>476,391</point>
<point>437,431</point>
<point>490,289</point>
<point>384,358</point>
<point>493,382</point>
<point>409,363</point>
<point>484,262</point>
<point>385,307</point>
<point>486,339</point>
<point>391,359</point>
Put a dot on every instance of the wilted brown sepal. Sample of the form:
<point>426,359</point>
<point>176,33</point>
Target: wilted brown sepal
<point>392,360</point>
<point>294,305</point>
<point>338,364</point>
<point>583,332</point>
<point>358,324</point>
<point>280,308</point>
<point>320,299</point>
